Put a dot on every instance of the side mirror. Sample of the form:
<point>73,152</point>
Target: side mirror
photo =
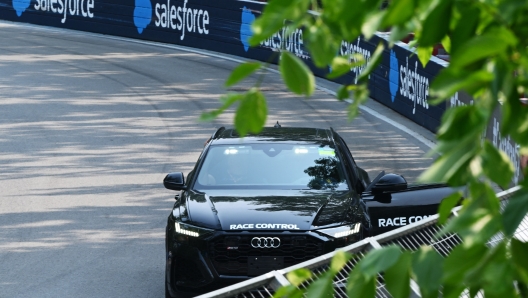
<point>174,181</point>
<point>373,182</point>
<point>389,183</point>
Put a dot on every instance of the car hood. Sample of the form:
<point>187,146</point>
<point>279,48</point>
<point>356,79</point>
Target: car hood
<point>269,210</point>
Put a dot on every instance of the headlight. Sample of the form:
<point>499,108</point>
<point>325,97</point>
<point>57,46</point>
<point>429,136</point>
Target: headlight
<point>342,231</point>
<point>189,230</point>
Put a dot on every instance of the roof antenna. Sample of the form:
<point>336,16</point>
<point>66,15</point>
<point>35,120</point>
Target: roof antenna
<point>277,125</point>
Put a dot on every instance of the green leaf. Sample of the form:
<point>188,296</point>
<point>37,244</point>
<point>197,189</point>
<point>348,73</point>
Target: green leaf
<point>520,258</point>
<point>497,165</point>
<point>322,287</point>
<point>378,260</point>
<point>496,263</point>
<point>483,195</point>
<point>452,291</point>
<point>484,271</point>
<point>473,291</point>
<point>514,120</point>
<point>399,32</point>
<point>452,166</point>
<point>427,268</point>
<point>361,94</point>
<point>347,17</point>
<point>360,286</point>
<point>273,17</point>
<point>263,28</point>
<point>515,211</point>
<point>251,113</point>
<point>298,276</point>
<point>465,27</point>
<point>398,12</point>
<point>483,46</point>
<point>446,43</point>
<point>289,291</point>
<point>436,24</point>
<point>502,85</point>
<point>321,44</point>
<point>342,93</point>
<point>372,63</point>
<point>398,277</point>
<point>523,151</point>
<point>447,205</point>
<point>461,260</point>
<point>523,289</point>
<point>461,121</point>
<point>475,225</point>
<point>227,101</point>
<point>296,75</point>
<point>339,260</point>
<point>450,80</point>
<point>241,72</point>
<point>339,67</point>
<point>424,54</point>
<point>372,24</point>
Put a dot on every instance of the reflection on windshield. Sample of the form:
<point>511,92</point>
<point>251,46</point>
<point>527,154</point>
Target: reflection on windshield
<point>325,174</point>
<point>271,165</point>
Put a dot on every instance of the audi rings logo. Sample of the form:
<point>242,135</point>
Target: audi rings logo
<point>265,242</point>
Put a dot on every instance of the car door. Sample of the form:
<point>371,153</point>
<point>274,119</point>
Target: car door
<point>391,210</point>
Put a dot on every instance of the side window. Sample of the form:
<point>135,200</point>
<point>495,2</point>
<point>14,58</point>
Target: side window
<point>346,164</point>
<point>357,182</point>
<point>190,177</point>
<point>343,143</point>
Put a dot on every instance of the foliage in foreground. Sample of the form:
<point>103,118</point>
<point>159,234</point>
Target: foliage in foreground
<point>487,43</point>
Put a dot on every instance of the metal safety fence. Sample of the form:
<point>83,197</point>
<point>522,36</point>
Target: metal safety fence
<point>409,237</point>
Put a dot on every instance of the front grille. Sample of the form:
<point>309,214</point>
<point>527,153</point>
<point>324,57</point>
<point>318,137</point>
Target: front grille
<point>230,254</point>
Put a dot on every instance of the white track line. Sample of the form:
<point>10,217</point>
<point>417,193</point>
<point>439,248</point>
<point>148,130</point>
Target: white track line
<point>368,110</point>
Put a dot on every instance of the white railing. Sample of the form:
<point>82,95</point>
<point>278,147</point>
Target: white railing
<point>409,237</point>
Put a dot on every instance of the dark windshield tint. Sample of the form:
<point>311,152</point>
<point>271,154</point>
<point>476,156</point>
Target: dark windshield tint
<point>271,165</point>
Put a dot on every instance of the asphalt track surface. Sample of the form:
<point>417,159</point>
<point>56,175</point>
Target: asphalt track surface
<point>89,127</point>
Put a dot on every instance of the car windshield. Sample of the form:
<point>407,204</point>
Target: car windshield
<point>271,165</point>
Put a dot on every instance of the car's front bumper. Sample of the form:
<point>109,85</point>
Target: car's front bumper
<point>225,258</point>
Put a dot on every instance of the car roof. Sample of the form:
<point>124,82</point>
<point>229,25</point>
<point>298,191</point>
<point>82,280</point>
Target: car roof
<point>272,134</point>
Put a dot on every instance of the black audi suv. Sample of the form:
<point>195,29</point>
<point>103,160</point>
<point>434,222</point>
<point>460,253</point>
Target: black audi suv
<point>272,200</point>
